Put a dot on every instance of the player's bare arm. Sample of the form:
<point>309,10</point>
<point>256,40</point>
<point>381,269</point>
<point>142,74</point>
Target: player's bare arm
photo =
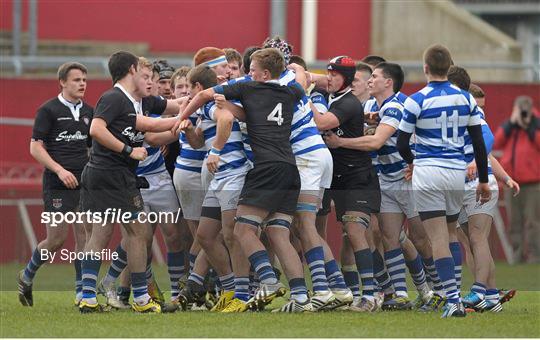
<point>326,121</point>
<point>365,143</point>
<point>199,100</point>
<point>40,154</point>
<point>99,131</point>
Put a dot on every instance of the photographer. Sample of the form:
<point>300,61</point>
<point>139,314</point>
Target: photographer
<point>519,139</point>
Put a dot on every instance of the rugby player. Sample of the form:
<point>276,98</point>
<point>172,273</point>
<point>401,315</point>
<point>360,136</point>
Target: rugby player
<point>60,141</point>
<point>109,180</point>
<point>439,114</point>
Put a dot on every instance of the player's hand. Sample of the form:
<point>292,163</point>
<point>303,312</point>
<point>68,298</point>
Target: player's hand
<point>212,163</point>
<point>221,79</point>
<point>513,185</point>
<point>332,140</point>
<point>369,130</point>
<point>164,149</point>
<point>174,129</point>
<point>184,125</point>
<point>139,153</point>
<point>483,193</point>
<point>295,67</point>
<point>371,118</point>
<point>69,180</point>
<point>220,100</point>
<point>409,172</point>
<point>472,171</point>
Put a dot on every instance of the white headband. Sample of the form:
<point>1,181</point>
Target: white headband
<point>217,61</point>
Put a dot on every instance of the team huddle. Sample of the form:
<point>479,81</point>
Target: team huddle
<point>254,150</point>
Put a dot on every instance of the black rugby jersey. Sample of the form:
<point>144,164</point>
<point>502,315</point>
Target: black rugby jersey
<point>118,111</point>
<point>348,110</point>
<point>64,133</point>
<point>269,109</point>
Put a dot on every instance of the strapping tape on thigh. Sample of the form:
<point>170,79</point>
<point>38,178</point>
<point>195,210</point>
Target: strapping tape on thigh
<point>249,219</point>
<point>279,223</point>
<point>402,236</point>
<point>356,219</point>
<point>306,207</point>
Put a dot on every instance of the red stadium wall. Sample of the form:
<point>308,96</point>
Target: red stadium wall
<point>183,26</point>
<point>20,98</point>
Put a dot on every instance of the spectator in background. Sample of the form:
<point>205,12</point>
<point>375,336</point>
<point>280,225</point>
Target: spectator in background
<point>519,138</point>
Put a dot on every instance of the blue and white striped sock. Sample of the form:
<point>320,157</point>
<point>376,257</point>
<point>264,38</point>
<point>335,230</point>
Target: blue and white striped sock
<point>492,295</point>
<point>298,290</point>
<point>395,262</point>
<point>416,269</point>
<point>429,265</point>
<point>479,289</point>
<point>241,288</point>
<point>334,275</point>
<point>381,274</point>
<point>196,278</point>
<point>90,271</point>
<point>116,267</point>
<point>364,264</point>
<point>175,266</point>
<point>33,266</point>
<point>350,274</point>
<point>260,261</point>
<point>455,249</point>
<point>315,261</point>
<point>227,282</point>
<point>140,288</point>
<point>445,269</point>
<point>254,282</point>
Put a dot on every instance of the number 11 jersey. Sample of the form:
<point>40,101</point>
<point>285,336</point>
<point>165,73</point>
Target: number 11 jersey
<point>439,115</point>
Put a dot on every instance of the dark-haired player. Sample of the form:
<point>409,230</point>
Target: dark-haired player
<point>60,143</point>
<point>109,180</point>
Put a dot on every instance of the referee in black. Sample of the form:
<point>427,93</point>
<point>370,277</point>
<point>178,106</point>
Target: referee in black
<point>355,185</point>
<point>60,141</point>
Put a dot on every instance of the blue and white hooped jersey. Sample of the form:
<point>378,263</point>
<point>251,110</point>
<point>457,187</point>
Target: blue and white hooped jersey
<point>305,136</point>
<point>390,164</point>
<point>319,101</point>
<point>190,159</point>
<point>233,159</point>
<point>369,105</point>
<point>243,127</point>
<point>154,162</point>
<point>439,115</point>
<point>489,139</point>
<point>401,97</point>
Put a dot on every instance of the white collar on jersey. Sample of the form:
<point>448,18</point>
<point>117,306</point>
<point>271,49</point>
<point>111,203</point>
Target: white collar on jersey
<point>137,105</point>
<point>273,81</point>
<point>75,108</point>
<point>332,99</point>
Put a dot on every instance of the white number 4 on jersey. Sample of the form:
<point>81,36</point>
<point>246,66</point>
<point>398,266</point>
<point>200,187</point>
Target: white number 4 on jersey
<point>276,115</point>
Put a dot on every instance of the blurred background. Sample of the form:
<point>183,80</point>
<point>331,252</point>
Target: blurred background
<point>497,41</point>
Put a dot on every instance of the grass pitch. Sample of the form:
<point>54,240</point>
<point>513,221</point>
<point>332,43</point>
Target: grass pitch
<point>54,315</point>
